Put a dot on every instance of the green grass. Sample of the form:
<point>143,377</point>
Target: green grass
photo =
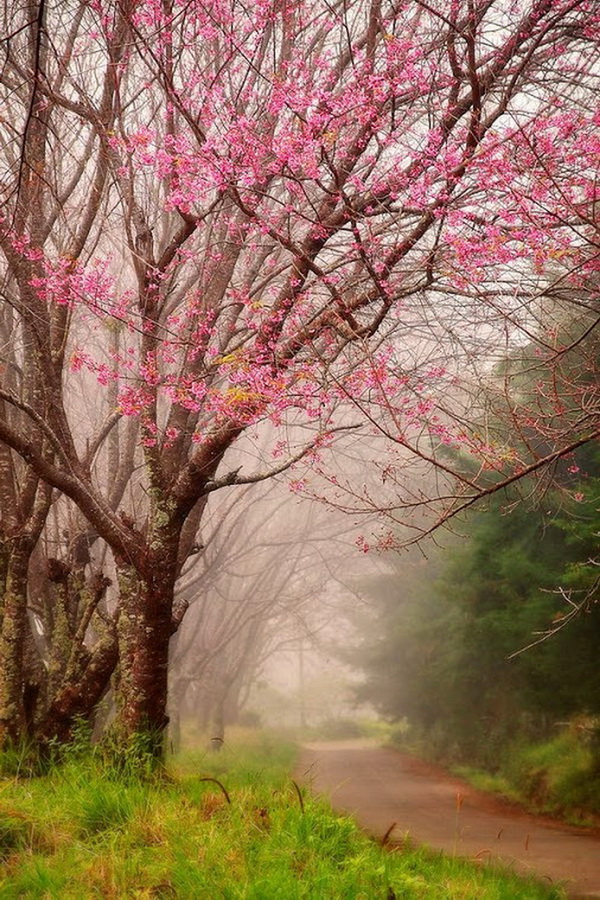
<point>558,777</point>
<point>489,782</point>
<point>85,830</point>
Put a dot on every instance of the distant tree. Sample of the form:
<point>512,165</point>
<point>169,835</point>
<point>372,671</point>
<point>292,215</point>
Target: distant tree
<point>256,586</point>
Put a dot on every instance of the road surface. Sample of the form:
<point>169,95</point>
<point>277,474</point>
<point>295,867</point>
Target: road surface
<point>380,786</point>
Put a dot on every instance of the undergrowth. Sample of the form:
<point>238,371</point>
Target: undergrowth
<point>559,776</point>
<point>228,825</point>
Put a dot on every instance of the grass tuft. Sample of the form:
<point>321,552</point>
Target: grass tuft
<point>14,832</point>
<point>105,805</point>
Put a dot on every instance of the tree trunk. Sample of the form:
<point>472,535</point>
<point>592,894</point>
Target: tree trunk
<point>177,691</point>
<point>78,674</point>
<point>79,696</point>
<point>217,727</point>
<point>144,630</point>
<point>14,624</point>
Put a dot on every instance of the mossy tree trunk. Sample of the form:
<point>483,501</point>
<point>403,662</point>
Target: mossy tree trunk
<point>13,627</point>
<point>79,694</point>
<point>145,627</point>
<point>78,666</point>
<point>24,504</point>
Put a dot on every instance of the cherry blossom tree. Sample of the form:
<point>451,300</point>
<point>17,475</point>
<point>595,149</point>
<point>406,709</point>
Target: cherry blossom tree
<point>291,217</point>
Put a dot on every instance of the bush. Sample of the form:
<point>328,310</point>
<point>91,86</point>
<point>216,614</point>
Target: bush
<point>340,729</point>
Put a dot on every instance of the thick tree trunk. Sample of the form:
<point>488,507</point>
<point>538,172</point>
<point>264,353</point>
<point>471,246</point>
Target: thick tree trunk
<point>14,624</point>
<point>144,629</point>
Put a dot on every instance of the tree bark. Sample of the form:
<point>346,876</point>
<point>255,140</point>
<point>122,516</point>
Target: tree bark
<point>80,694</point>
<point>144,632</point>
<point>14,624</point>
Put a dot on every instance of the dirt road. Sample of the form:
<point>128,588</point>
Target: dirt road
<point>380,786</point>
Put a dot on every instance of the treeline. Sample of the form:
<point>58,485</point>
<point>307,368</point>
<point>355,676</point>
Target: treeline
<point>520,576</point>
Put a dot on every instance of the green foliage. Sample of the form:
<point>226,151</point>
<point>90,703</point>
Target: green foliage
<point>557,776</point>
<point>132,757</point>
<point>20,760</point>
<point>442,651</point>
<point>114,836</point>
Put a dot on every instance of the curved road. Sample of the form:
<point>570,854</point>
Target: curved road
<point>380,786</point>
